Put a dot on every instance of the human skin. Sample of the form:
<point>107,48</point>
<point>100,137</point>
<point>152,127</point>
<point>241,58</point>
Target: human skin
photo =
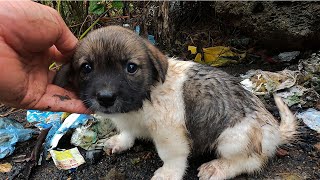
<point>32,36</point>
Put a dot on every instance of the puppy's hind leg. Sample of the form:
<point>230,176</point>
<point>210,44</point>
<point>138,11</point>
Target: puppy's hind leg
<point>229,167</point>
<point>239,150</point>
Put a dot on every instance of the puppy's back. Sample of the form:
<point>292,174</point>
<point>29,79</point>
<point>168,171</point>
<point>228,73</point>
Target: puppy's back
<point>214,101</point>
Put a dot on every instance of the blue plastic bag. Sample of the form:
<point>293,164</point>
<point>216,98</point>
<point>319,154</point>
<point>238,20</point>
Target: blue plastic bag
<point>45,120</point>
<point>71,122</point>
<point>11,132</point>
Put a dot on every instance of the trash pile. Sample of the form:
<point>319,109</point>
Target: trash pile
<point>300,88</point>
<point>87,132</point>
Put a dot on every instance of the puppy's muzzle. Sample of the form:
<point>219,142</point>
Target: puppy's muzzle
<point>106,98</point>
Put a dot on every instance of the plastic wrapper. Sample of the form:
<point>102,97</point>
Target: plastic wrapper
<point>71,122</point>
<point>67,159</point>
<point>44,120</point>
<point>311,117</point>
<point>11,132</point>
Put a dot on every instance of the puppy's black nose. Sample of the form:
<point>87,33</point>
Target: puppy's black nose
<point>106,98</point>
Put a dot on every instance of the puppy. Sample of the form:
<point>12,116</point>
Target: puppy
<point>182,106</point>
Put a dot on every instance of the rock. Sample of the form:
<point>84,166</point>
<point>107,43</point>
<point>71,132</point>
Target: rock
<point>281,152</point>
<point>276,25</point>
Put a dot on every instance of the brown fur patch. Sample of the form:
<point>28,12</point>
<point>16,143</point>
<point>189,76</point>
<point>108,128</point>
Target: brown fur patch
<point>255,136</point>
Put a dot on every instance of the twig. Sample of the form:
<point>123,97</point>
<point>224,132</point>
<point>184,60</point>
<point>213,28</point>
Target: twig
<point>75,25</point>
<point>93,24</point>
<point>85,20</point>
<point>34,156</point>
<point>41,138</point>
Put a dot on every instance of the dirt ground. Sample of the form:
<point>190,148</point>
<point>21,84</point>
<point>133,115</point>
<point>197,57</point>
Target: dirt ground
<point>299,160</point>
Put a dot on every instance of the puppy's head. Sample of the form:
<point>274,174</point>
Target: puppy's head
<point>113,70</point>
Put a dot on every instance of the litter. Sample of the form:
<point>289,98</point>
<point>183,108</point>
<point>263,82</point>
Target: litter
<point>87,130</point>
<point>67,159</point>
<point>311,118</point>
<point>150,37</point>
<point>264,82</point>
<point>45,120</point>
<point>11,132</point>
<point>90,135</point>
<point>5,167</point>
<point>293,95</point>
<point>217,56</point>
<point>71,122</point>
<point>310,65</point>
<point>84,137</point>
<point>287,56</point>
<point>310,69</point>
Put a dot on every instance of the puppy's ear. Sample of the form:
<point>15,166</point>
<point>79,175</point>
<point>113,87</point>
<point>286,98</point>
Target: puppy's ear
<point>159,60</point>
<point>63,77</point>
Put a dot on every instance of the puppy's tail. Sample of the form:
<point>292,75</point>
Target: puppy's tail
<point>288,124</point>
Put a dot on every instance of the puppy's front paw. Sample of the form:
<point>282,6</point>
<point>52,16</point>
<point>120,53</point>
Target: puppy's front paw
<point>212,170</point>
<point>117,144</point>
<point>166,174</point>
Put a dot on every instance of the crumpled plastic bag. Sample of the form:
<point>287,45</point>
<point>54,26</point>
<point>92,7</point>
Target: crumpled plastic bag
<point>264,82</point>
<point>71,122</point>
<point>218,55</point>
<point>11,132</point>
<point>44,120</point>
<point>84,136</point>
<point>91,135</point>
<point>293,95</point>
<point>311,117</point>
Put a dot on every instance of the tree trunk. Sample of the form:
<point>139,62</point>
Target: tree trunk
<point>163,34</point>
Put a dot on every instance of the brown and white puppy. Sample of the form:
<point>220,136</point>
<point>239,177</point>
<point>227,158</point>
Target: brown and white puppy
<point>181,106</point>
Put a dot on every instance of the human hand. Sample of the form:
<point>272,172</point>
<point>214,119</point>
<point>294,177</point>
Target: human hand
<point>32,36</point>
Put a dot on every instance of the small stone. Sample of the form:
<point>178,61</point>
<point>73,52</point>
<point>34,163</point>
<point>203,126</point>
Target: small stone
<point>281,152</point>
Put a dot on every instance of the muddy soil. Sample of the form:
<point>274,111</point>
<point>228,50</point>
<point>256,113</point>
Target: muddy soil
<point>299,160</point>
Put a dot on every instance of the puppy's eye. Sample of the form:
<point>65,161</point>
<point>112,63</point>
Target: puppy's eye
<point>86,68</point>
<point>132,68</point>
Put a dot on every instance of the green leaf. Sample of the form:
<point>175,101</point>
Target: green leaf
<point>117,4</point>
<point>96,7</point>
